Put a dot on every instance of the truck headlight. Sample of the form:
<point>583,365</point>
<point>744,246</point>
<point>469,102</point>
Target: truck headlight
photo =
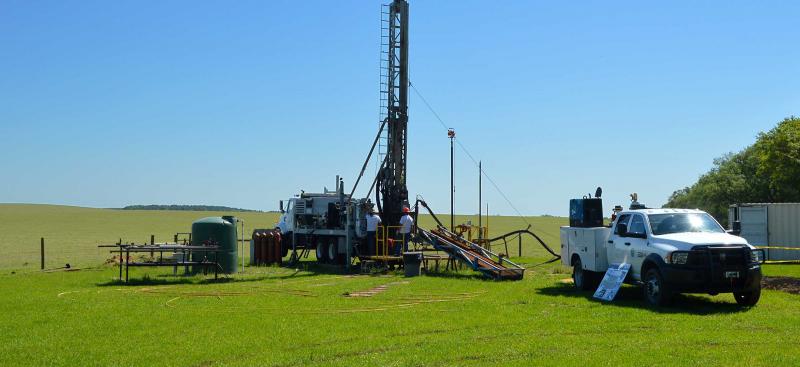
<point>679,258</point>
<point>757,256</point>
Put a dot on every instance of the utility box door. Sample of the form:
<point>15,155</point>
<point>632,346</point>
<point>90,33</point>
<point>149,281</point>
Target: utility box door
<point>588,243</point>
<point>564,235</point>
<point>600,245</point>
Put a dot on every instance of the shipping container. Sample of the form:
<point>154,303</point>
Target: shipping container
<point>769,225</point>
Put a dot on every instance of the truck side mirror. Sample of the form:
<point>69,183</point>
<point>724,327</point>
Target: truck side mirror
<point>622,230</point>
<point>280,203</point>
<point>737,228</point>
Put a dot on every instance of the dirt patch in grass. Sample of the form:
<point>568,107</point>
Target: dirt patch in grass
<point>786,284</point>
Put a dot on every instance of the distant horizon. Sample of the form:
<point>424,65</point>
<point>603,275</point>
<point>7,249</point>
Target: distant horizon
<point>258,211</point>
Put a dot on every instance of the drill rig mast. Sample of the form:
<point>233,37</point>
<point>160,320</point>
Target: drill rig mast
<point>391,190</point>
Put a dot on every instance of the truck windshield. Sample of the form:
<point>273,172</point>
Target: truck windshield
<point>683,222</point>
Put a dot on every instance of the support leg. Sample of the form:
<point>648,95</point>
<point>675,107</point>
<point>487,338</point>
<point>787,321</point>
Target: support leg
<point>127,266</point>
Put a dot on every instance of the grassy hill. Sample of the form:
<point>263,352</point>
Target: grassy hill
<point>73,233</point>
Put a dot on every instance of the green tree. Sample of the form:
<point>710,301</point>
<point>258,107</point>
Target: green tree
<point>779,160</point>
<point>767,171</point>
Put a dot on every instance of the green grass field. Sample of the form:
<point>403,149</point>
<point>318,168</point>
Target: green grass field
<point>287,317</point>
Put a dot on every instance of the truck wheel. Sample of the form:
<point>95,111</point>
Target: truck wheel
<point>321,252</point>
<point>285,247</point>
<point>333,253</point>
<point>583,279</point>
<point>748,298</point>
<point>655,290</point>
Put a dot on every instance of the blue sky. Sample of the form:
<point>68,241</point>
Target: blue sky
<point>243,103</point>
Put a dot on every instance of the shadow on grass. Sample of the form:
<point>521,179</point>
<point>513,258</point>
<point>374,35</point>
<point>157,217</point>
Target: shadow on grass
<point>180,278</point>
<point>151,281</point>
<point>322,269</point>
<point>301,270</point>
<point>631,297</point>
<point>457,275</point>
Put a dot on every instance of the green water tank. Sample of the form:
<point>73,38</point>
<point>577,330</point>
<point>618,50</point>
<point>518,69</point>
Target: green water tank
<point>219,231</point>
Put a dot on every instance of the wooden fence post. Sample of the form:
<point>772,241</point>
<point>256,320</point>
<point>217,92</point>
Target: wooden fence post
<point>42,253</point>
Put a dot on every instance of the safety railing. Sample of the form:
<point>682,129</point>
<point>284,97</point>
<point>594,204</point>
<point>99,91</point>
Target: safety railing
<point>383,236</point>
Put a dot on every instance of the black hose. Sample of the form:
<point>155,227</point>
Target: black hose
<point>501,237</point>
<point>425,205</point>
<point>526,231</point>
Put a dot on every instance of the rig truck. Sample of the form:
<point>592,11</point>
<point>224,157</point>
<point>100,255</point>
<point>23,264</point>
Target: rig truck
<point>670,251</point>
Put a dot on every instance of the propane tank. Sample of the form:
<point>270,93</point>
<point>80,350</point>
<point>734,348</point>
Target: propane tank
<point>257,253</point>
<point>268,247</point>
<point>278,248</point>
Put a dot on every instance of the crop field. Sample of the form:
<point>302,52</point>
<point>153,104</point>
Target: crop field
<point>315,315</point>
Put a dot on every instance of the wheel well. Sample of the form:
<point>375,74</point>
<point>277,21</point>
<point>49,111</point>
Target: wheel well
<point>647,265</point>
<point>574,258</point>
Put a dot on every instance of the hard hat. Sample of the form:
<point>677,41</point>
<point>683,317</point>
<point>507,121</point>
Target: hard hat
<point>406,210</point>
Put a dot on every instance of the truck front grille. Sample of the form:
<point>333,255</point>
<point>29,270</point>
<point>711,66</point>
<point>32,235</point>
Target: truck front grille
<point>723,256</point>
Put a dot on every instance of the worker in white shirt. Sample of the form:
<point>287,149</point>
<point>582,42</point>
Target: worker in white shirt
<point>405,230</point>
<point>373,220</point>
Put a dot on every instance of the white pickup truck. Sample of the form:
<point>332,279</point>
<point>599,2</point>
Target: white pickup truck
<point>670,251</point>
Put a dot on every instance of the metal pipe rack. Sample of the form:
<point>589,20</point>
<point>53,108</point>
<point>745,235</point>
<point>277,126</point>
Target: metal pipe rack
<point>185,251</point>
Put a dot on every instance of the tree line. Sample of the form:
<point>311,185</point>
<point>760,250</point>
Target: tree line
<point>213,208</point>
<point>766,172</point>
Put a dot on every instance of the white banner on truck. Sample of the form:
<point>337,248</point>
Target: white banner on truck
<point>613,279</point>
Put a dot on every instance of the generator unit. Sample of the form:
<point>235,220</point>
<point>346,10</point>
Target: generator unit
<point>586,212</point>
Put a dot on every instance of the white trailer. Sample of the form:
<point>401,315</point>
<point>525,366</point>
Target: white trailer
<point>769,225</point>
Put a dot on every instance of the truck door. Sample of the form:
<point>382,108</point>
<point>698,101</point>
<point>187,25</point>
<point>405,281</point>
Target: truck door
<point>637,250</point>
<point>289,216</point>
<point>616,249</point>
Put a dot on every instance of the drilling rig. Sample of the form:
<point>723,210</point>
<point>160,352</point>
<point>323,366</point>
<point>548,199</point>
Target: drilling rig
<point>333,223</point>
<point>391,180</point>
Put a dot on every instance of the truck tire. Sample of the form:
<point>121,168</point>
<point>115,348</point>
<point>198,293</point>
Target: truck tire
<point>285,247</point>
<point>333,252</point>
<point>748,298</point>
<point>321,252</point>
<point>656,292</point>
<point>583,279</point>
